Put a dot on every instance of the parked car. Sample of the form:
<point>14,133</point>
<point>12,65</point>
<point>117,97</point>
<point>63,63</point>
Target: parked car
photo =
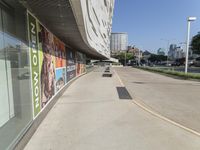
<point>191,62</point>
<point>197,62</point>
<point>179,62</point>
<point>176,63</point>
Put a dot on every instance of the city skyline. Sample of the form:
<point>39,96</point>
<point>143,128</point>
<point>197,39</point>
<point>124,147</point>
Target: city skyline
<point>147,22</point>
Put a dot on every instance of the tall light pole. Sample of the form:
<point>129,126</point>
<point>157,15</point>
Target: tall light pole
<point>189,20</point>
<point>139,58</point>
<point>125,59</point>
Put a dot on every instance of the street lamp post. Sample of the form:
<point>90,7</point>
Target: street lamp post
<point>139,58</point>
<point>125,59</point>
<point>139,54</point>
<point>189,20</point>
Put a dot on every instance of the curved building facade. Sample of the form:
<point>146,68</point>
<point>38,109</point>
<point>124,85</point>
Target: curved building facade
<point>44,45</point>
<point>83,24</point>
<point>95,21</point>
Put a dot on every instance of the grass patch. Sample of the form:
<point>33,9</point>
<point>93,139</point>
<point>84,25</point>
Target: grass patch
<point>172,73</point>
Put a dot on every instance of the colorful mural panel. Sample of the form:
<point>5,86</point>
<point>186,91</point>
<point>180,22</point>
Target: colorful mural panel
<point>52,66</point>
<point>47,69</point>
<point>80,63</point>
<point>60,78</point>
<point>71,65</point>
<point>60,53</point>
<point>34,63</point>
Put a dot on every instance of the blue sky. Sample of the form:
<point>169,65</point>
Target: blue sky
<point>149,21</point>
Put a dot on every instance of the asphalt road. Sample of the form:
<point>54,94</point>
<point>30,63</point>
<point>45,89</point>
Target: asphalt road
<point>178,100</point>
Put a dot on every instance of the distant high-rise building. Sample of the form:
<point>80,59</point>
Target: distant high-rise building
<point>172,47</point>
<point>175,52</point>
<point>179,53</point>
<point>161,51</point>
<point>118,42</point>
<point>172,50</point>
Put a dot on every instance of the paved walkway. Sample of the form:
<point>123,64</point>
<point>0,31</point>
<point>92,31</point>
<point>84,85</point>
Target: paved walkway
<point>89,116</point>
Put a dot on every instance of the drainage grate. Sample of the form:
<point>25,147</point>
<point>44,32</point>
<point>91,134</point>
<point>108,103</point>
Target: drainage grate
<point>107,75</point>
<point>123,93</point>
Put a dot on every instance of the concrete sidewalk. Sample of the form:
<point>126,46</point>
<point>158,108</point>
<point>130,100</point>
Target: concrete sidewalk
<point>90,116</point>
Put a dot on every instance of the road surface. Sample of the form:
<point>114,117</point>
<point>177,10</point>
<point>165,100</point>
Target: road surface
<point>178,100</point>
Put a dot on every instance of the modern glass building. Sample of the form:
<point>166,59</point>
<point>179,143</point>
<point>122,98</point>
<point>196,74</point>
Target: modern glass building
<point>118,42</point>
<point>43,47</point>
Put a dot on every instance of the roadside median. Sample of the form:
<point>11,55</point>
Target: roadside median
<point>172,73</point>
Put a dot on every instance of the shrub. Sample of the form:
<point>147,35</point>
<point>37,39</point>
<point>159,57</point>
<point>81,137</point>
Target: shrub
<point>173,73</point>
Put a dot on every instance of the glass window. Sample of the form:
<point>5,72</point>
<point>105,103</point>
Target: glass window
<point>15,102</point>
<point>4,110</point>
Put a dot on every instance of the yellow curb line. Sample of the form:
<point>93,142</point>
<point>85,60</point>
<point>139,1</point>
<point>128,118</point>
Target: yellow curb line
<point>158,115</point>
<point>122,84</point>
<point>166,119</point>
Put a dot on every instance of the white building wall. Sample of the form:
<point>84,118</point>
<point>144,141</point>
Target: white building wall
<point>96,22</point>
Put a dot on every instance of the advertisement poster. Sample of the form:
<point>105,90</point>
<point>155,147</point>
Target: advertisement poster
<point>48,64</point>
<point>80,63</point>
<point>47,68</point>
<point>34,63</point>
<point>60,78</point>
<point>71,65</point>
<point>82,68</point>
<point>60,60</point>
<point>52,66</point>
<point>60,53</point>
<point>78,68</point>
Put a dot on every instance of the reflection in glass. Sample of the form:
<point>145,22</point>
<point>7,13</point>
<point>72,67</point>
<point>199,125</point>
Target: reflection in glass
<point>15,102</point>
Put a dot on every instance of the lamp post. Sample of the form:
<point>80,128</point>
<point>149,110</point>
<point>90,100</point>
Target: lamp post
<point>125,59</point>
<point>139,58</point>
<point>139,54</point>
<point>189,20</point>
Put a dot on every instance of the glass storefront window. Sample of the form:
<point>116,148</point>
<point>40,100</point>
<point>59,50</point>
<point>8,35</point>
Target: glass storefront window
<point>15,96</point>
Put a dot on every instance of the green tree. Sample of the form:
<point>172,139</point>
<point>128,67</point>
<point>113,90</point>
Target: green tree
<point>196,44</point>
<point>157,58</point>
<point>121,57</point>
